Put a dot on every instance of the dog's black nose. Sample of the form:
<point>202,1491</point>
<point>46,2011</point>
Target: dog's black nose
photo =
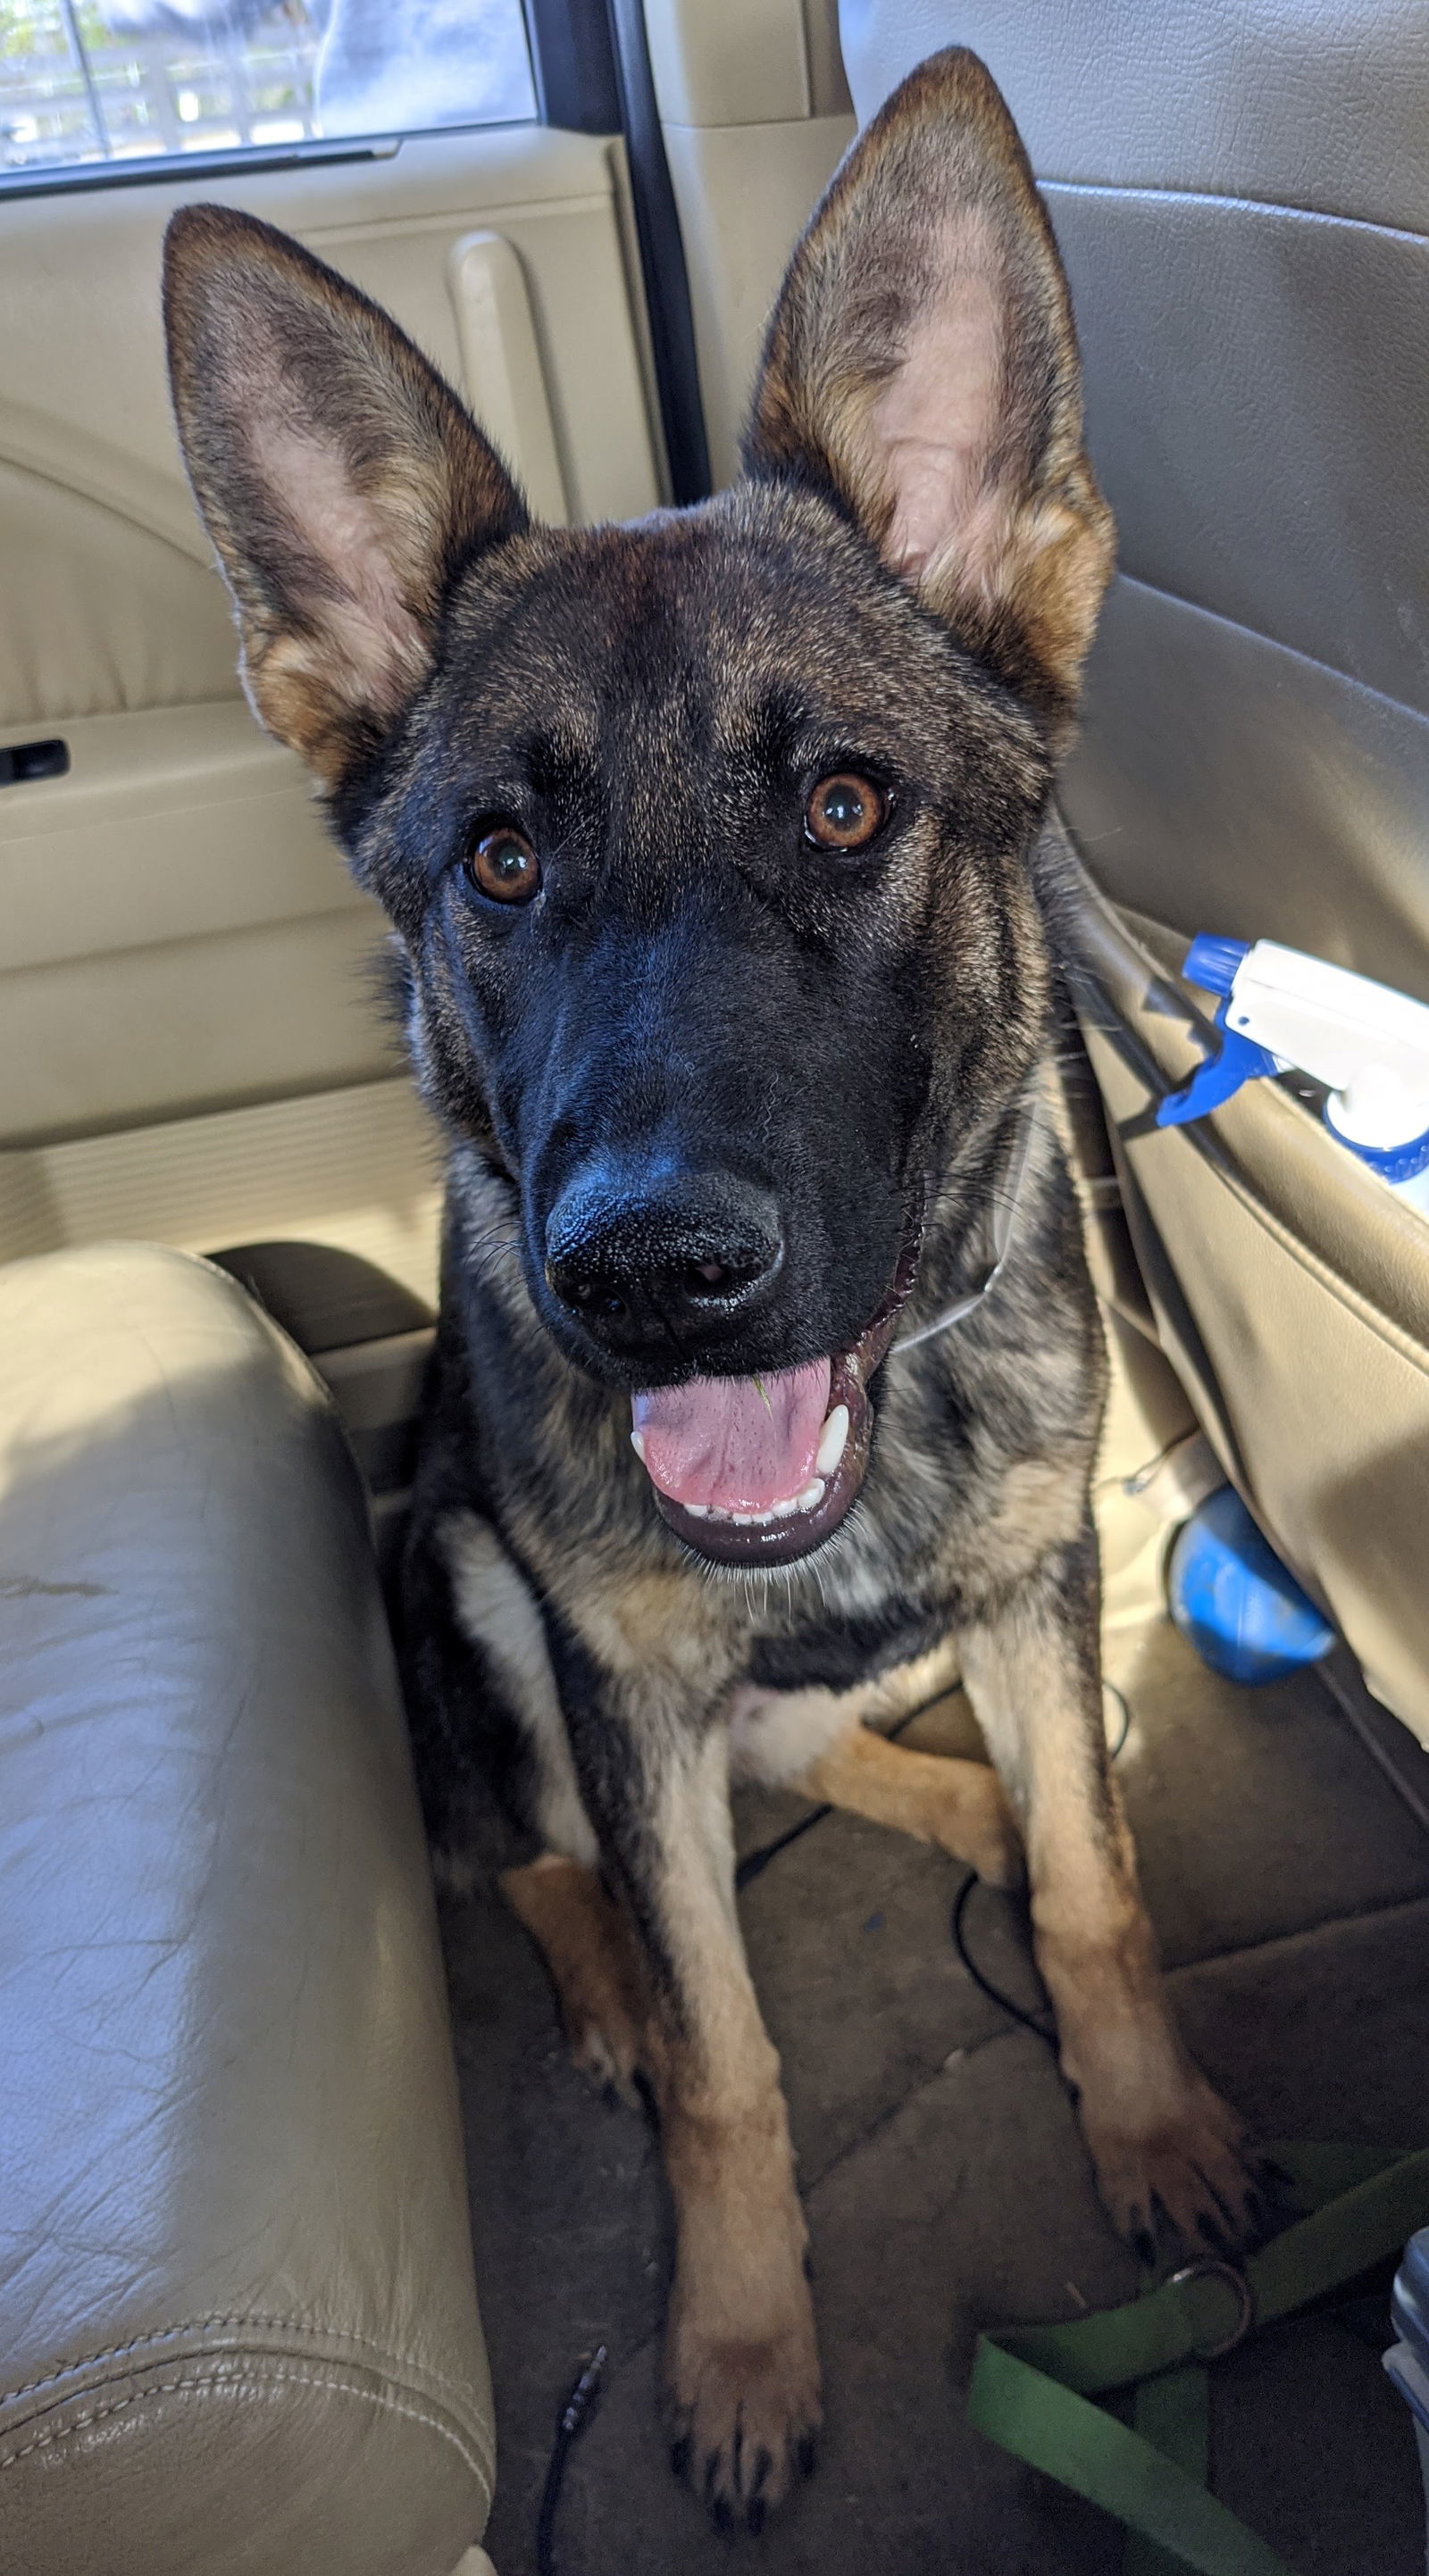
<point>644,1257</point>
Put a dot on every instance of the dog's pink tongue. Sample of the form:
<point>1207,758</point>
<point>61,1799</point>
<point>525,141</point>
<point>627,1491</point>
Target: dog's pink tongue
<point>739,1443</point>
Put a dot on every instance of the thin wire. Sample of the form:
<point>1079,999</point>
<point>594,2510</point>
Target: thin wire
<point>575,2415</point>
<point>957,1925</point>
<point>984,1984</point>
<point>755,1863</point>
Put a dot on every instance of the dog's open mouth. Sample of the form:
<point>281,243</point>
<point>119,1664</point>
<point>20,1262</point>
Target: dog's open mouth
<point>760,1470</point>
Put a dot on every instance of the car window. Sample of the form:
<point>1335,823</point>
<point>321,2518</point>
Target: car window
<point>122,81</point>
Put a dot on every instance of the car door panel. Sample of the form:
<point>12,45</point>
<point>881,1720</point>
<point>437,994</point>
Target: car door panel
<point>754,113</point>
<point>180,937</point>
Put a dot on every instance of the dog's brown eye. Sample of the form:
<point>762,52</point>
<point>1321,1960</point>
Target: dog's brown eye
<point>504,865</point>
<point>844,812</point>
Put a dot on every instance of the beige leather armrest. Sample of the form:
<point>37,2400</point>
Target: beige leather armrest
<point>237,2321</point>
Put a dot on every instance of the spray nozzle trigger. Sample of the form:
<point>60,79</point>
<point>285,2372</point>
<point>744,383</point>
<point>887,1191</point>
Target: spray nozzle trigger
<point>1213,964</point>
<point>1365,1043</point>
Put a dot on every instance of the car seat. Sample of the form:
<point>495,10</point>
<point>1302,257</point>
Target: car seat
<point>1242,200</point>
<point>238,2325</point>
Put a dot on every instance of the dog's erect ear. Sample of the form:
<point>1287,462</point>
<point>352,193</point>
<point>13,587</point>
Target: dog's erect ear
<point>922,361</point>
<point>340,479</point>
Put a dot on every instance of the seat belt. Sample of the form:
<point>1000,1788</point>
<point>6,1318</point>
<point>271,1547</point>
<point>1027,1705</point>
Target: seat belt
<point>1032,2386</point>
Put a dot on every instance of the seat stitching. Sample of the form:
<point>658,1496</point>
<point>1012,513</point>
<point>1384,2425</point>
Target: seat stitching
<point>1379,698</point>
<point>262,2325</point>
<point>1238,204</point>
<point>247,2382</point>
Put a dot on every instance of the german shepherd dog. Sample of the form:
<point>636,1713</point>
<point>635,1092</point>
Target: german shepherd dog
<point>708,844</point>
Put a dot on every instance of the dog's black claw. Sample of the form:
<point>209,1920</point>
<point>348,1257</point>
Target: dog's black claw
<point>680,2450</point>
<point>1143,2246</point>
<point>1215,2236</point>
<point>722,2514</point>
<point>754,2514</point>
<point>806,2452</point>
<point>1282,2187</point>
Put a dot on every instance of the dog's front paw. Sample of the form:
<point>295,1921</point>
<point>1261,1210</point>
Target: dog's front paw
<point>608,2048</point>
<point>1183,2165</point>
<point>743,2416</point>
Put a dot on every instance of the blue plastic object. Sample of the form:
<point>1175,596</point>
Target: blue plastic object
<point>1408,2362</point>
<point>1240,1608</point>
<point>1214,963</point>
<point>1394,1163</point>
<point>1237,1060</point>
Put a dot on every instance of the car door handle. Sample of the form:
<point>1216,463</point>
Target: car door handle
<point>22,761</point>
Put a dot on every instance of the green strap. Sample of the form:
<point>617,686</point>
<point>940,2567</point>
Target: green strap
<point>1173,2414</point>
<point>1055,2430</point>
<point>1031,2387</point>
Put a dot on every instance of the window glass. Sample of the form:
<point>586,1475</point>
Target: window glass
<point>86,81</point>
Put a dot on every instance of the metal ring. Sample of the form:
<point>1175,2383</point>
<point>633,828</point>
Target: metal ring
<point>1209,2270</point>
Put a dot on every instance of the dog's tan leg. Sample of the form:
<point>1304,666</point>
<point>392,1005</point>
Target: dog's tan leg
<point>1161,2140</point>
<point>742,2372</point>
<point>959,1805</point>
<point>594,1963</point>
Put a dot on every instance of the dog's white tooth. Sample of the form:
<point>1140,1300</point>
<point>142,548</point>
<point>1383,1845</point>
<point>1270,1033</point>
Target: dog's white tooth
<point>697,1511</point>
<point>744,1520</point>
<point>785,1511</point>
<point>811,1496</point>
<point>833,1441</point>
<point>637,1443</point>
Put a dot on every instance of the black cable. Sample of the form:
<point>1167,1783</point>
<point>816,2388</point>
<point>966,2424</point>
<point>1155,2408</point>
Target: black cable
<point>755,1862</point>
<point>984,1984</point>
<point>1124,1704</point>
<point>957,1927</point>
<point>574,2416</point>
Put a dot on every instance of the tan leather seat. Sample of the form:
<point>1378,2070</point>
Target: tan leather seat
<point>238,2328</point>
<point>1242,198</point>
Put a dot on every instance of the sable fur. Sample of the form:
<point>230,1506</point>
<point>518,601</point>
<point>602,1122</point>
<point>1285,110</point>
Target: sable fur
<point>904,584</point>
